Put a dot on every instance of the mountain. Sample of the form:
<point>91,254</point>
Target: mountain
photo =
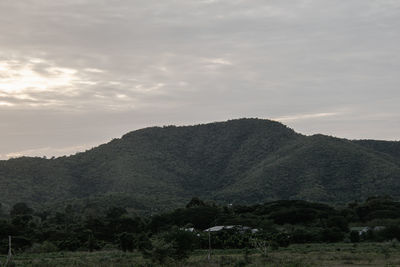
<point>240,161</point>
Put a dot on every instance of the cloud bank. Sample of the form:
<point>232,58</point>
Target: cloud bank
<point>80,72</point>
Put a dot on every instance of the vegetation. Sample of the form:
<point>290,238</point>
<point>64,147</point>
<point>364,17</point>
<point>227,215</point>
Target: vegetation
<point>244,161</point>
<point>290,233</point>
<point>301,255</point>
<point>174,236</point>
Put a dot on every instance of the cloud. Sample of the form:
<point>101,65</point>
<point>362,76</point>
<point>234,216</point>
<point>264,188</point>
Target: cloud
<point>305,116</point>
<point>35,75</point>
<point>47,152</point>
<point>119,65</point>
<point>3,103</point>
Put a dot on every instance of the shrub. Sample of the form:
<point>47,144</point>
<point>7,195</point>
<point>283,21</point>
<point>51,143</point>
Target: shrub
<point>126,241</point>
<point>45,247</point>
<point>332,235</point>
<point>354,237</point>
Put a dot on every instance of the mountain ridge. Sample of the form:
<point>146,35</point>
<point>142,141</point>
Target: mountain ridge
<point>243,161</point>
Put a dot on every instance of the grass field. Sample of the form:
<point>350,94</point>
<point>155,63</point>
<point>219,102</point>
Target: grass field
<point>339,254</point>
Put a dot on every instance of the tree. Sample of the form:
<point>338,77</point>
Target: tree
<point>282,239</point>
<point>160,251</point>
<point>126,241</point>
<point>332,235</point>
<point>194,202</point>
<point>338,222</point>
<point>91,242</point>
<point>261,245</point>
<point>21,208</point>
<point>354,236</point>
<point>115,213</point>
<point>182,243</point>
<point>143,242</point>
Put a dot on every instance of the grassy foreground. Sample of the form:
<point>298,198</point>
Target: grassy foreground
<point>338,254</point>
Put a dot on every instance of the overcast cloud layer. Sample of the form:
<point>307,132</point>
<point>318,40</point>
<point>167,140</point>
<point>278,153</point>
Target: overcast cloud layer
<point>77,73</point>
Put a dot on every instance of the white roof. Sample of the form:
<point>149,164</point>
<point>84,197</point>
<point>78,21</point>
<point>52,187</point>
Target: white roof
<point>219,228</point>
<point>228,227</point>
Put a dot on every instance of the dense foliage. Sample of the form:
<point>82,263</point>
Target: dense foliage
<point>175,234</point>
<point>242,161</point>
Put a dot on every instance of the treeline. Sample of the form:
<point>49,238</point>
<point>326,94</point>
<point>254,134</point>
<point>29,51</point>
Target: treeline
<point>176,233</point>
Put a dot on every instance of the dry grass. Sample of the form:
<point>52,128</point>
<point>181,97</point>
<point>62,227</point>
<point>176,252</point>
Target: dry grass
<point>364,254</point>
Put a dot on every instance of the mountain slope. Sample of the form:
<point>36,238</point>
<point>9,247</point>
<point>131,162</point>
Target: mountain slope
<point>246,160</point>
<point>324,169</point>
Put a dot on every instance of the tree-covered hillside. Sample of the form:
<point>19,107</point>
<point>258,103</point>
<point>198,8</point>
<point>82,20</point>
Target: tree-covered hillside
<point>239,161</point>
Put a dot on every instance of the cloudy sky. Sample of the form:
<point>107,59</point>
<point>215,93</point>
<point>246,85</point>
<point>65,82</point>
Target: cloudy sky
<point>77,73</point>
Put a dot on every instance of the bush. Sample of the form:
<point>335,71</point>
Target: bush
<point>126,241</point>
<point>182,243</point>
<point>282,239</point>
<point>159,252</point>
<point>143,242</point>
<point>71,244</point>
<point>389,233</point>
<point>304,236</point>
<point>354,237</point>
<point>332,235</point>
<point>45,247</point>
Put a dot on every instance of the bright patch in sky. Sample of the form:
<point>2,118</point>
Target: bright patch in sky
<point>2,103</point>
<point>17,77</point>
<point>305,116</point>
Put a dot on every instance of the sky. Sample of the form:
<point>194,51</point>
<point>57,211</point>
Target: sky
<point>78,73</point>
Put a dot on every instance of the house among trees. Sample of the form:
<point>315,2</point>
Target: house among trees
<point>238,228</point>
<point>362,230</point>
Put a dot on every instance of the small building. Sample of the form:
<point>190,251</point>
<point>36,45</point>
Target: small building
<point>239,228</point>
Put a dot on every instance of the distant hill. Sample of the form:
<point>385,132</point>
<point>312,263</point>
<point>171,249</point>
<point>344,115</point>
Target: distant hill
<point>240,161</point>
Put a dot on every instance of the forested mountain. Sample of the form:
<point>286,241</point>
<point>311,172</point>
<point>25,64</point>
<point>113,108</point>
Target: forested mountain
<point>238,161</point>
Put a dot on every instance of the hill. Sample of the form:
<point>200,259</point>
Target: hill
<point>242,161</point>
